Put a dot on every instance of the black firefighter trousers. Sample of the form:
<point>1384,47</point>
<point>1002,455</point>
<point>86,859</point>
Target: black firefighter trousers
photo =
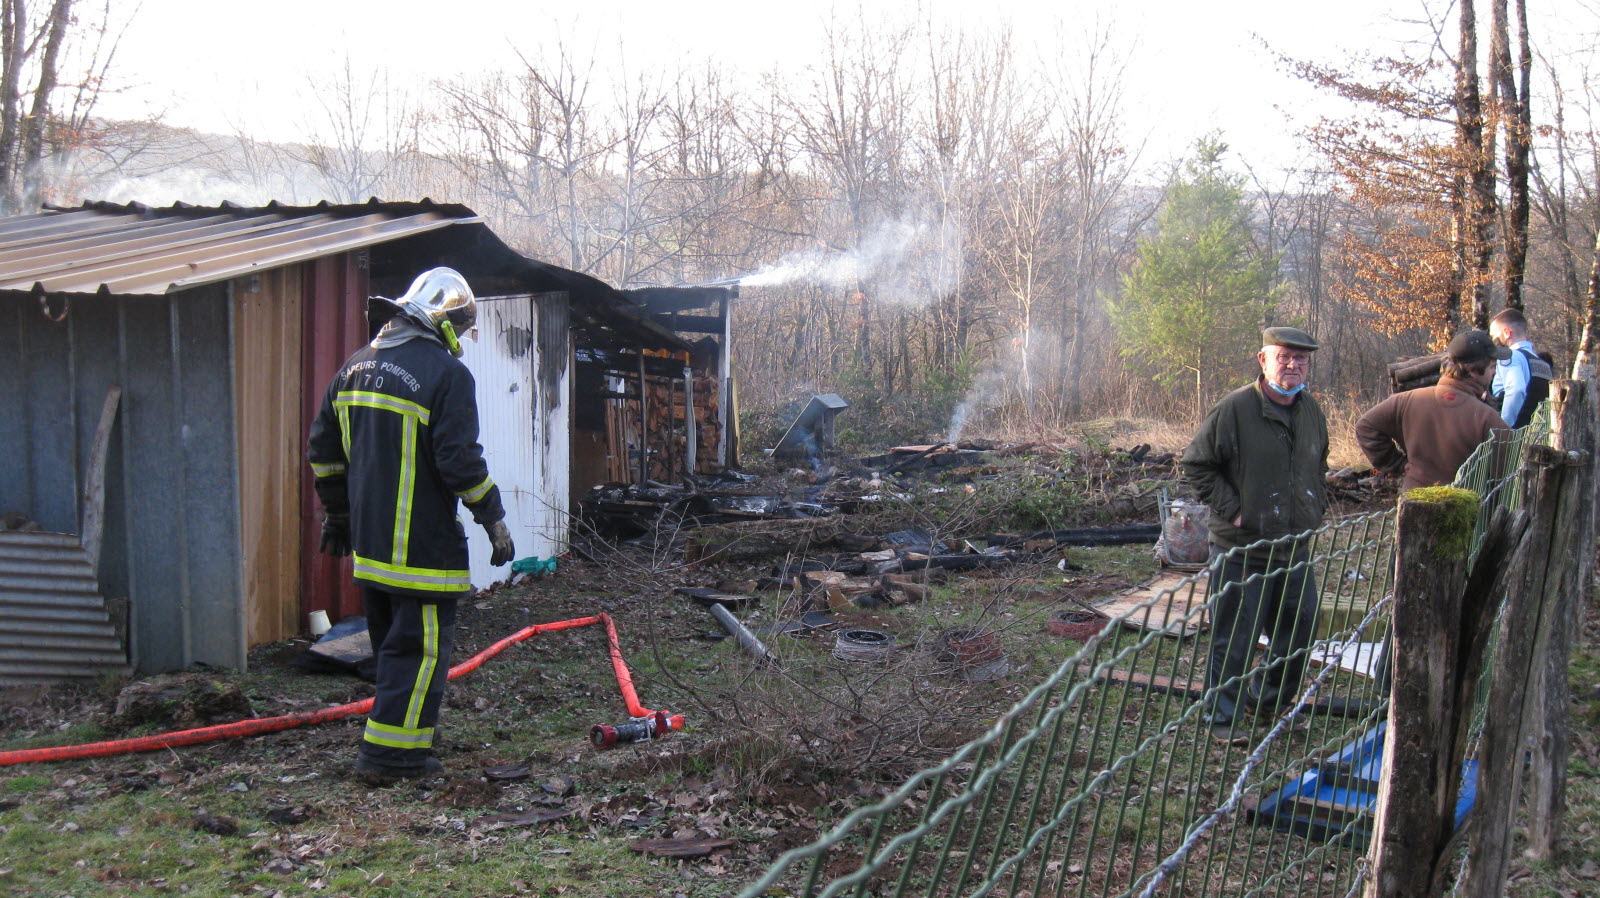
<point>1266,592</point>
<point>411,641</point>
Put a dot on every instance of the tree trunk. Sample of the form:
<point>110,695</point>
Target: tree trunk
<point>13,24</point>
<point>39,115</point>
<point>1515,117</point>
<point>1474,222</point>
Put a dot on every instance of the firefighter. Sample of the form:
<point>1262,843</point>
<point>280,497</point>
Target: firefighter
<point>393,448</point>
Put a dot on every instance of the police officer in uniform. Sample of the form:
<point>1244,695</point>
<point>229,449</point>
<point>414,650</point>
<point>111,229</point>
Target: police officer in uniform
<point>393,449</point>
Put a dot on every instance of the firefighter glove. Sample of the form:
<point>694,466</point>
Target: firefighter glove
<point>336,535</point>
<point>500,538</point>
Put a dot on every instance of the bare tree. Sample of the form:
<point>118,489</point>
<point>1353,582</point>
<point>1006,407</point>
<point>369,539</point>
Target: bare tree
<point>37,43</point>
<point>362,131</point>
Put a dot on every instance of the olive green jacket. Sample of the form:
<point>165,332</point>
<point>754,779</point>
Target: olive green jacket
<point>1247,463</point>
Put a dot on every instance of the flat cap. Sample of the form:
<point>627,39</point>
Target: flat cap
<point>1292,337</point>
<point>1470,347</point>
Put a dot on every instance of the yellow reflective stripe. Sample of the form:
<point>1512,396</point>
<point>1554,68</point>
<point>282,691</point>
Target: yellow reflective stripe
<point>348,398</point>
<point>342,412</point>
<point>329,469</point>
<point>477,492</point>
<point>408,483</point>
<point>398,737</point>
<point>432,579</point>
<point>430,663</point>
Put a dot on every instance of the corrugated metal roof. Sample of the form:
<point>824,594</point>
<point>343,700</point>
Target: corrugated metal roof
<point>138,250</point>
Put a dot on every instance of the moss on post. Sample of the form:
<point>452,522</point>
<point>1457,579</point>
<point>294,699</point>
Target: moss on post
<point>1459,516</point>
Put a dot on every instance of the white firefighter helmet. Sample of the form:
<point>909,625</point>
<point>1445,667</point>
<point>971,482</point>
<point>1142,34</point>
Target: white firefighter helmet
<point>441,300</point>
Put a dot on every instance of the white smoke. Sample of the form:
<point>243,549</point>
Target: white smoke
<point>982,394</point>
<point>903,261</point>
<point>197,187</point>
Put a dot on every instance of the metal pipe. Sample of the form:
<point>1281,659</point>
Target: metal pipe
<point>666,429</point>
<point>644,424</point>
<point>691,427</point>
<point>747,641</point>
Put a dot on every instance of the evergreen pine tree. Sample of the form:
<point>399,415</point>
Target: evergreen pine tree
<point>1193,303</point>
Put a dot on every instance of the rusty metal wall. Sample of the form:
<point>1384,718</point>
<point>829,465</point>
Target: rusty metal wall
<point>171,539</point>
<point>267,395</point>
<point>334,324</point>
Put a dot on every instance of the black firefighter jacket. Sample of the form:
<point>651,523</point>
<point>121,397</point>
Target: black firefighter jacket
<point>395,445</point>
<point>1248,462</point>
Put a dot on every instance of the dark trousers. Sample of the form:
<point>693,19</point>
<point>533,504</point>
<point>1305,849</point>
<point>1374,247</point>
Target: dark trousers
<point>1254,594</point>
<point>411,641</point>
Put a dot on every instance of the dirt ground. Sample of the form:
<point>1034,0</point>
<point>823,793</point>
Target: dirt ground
<point>524,789</point>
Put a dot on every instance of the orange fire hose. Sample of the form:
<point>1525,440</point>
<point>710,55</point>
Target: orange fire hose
<point>264,725</point>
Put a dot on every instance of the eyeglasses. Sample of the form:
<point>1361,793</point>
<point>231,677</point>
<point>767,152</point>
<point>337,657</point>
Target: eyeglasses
<point>1291,358</point>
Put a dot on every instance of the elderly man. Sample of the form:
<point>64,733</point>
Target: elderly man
<point>1259,461</point>
<point>1428,433</point>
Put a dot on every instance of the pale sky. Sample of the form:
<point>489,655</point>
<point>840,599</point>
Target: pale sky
<point>1192,65</point>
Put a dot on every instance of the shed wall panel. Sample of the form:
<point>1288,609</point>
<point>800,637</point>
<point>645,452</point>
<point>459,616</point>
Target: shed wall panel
<point>503,362</point>
<point>208,497</point>
<point>334,296</point>
<point>554,314</point>
<point>159,621</point>
<point>46,406</point>
<point>170,544</point>
<point>267,388</point>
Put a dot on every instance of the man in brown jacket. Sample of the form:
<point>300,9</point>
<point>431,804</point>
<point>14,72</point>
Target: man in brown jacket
<point>1429,433</point>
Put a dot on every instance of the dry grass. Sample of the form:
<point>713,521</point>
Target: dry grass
<point>1167,435</point>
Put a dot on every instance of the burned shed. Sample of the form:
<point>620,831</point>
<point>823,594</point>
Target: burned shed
<point>658,414</point>
<point>163,366</point>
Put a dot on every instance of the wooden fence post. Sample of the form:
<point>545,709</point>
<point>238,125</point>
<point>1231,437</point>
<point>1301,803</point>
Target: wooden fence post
<point>1573,409</point>
<point>1527,620</point>
<point>1421,764</point>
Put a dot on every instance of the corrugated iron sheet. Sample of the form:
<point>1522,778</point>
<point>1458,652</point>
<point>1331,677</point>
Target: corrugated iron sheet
<point>502,362</point>
<point>171,543</point>
<point>333,325</point>
<point>136,250</point>
<point>53,619</point>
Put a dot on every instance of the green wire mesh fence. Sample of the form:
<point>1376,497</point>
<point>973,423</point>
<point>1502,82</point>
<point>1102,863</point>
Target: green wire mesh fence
<point>1109,779</point>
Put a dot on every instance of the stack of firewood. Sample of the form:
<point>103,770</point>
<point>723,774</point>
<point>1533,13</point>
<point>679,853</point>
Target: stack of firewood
<point>1412,374</point>
<point>667,441</point>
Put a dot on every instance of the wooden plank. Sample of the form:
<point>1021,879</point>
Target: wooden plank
<point>94,485</point>
<point>1335,814</point>
<point>1333,706</point>
<point>1166,604</point>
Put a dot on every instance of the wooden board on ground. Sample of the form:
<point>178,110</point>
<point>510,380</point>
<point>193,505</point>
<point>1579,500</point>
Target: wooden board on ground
<point>1335,706</point>
<point>1190,689</point>
<point>1145,608</point>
